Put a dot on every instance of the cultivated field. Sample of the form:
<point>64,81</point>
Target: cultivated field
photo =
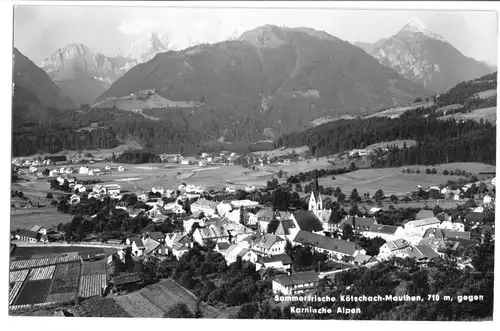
<point>392,181</point>
<point>91,285</point>
<point>487,94</point>
<point>34,292</point>
<point>28,252</point>
<point>284,151</point>
<point>94,268</point>
<point>155,300</point>
<point>98,307</point>
<point>46,216</point>
<point>487,114</point>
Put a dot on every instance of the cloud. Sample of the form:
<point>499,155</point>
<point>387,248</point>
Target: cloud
<point>137,26</point>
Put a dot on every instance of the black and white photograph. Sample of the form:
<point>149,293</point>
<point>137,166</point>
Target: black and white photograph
<point>260,160</point>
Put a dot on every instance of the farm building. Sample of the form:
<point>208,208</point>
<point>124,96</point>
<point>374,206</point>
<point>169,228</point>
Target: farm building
<point>423,214</point>
<point>267,244</point>
<point>286,229</point>
<point>421,224</point>
<point>336,248</point>
<point>391,248</point>
<point>279,262</point>
<point>40,229</point>
<point>209,208</point>
<point>211,233</point>
<point>27,235</point>
<point>386,232</point>
<point>244,203</point>
<point>126,282</point>
<point>295,283</point>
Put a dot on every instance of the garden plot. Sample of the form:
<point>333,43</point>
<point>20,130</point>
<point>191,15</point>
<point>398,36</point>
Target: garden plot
<point>66,280</point>
<point>138,306</point>
<point>42,273</point>
<point>18,276</point>
<point>34,292</point>
<point>94,268</point>
<point>98,307</point>
<point>91,285</point>
<point>14,291</point>
<point>34,263</point>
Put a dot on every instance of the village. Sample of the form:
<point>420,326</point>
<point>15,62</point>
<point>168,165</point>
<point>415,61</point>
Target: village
<point>241,229</point>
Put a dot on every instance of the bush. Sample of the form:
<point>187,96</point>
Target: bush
<point>445,172</point>
<point>427,171</point>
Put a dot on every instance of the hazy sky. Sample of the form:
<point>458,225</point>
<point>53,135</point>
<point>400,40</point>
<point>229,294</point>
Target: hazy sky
<point>40,30</point>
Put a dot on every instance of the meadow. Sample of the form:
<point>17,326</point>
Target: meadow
<point>393,181</point>
<point>487,114</point>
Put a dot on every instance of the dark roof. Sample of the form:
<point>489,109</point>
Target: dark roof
<point>223,245</point>
<point>361,222</point>
<point>446,234</point>
<point>284,227</point>
<point>386,229</point>
<point>307,221</point>
<point>126,279</point>
<point>138,242</point>
<point>363,259</point>
<point>26,233</point>
<point>424,214</point>
<point>474,216</point>
<point>324,242</point>
<point>285,259</point>
<point>427,252</point>
<point>156,235</point>
<point>297,278</point>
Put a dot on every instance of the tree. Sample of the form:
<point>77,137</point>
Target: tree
<point>352,166</point>
<point>434,171</point>
<point>248,311</point>
<point>379,195</point>
<point>354,210</point>
<point>445,172</point>
<point>198,312</point>
<point>427,171</point>
<point>273,226</point>
<point>49,195</point>
<point>187,206</point>
<point>288,248</point>
<point>394,198</point>
<point>298,187</point>
<point>341,197</point>
<point>354,195</point>
<point>347,232</point>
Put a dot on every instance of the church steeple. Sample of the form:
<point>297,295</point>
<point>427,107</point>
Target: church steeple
<point>315,188</point>
<point>315,202</point>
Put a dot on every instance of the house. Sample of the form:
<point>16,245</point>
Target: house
<point>158,236</point>
<point>391,248</point>
<point>125,282</point>
<point>421,224</point>
<point>238,231</point>
<point>112,189</point>
<point>81,188</point>
<point>53,172</point>
<point>423,214</point>
<point>83,170</point>
<point>238,250</point>
<point>211,233</point>
<point>40,229</point>
<point>358,223</point>
<point>281,262</point>
<point>386,232</point>
<point>286,229</point>
<point>264,216</point>
<point>234,216</point>
<point>421,253</point>
<point>295,283</point>
<point>222,247</point>
<point>185,162</point>
<point>446,234</point>
<point>172,208</point>
<point>151,245</point>
<point>121,168</point>
<point>307,221</point>
<point>334,248</point>
<point>27,235</point>
<point>209,208</point>
<point>268,244</point>
<point>138,246</point>
<point>244,203</point>
<point>159,189</point>
<point>362,259</point>
<point>437,244</point>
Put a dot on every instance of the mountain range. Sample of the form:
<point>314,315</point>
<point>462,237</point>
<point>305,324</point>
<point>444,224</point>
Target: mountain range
<point>269,81</point>
<point>426,58</point>
<point>33,85</point>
